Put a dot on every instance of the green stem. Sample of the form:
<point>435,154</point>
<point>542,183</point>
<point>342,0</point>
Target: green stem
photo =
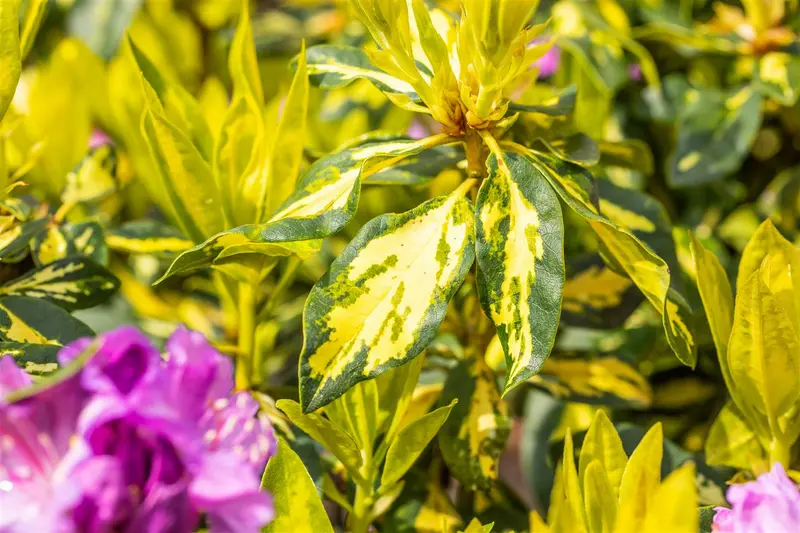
<point>362,509</point>
<point>779,453</point>
<point>247,329</point>
<point>286,279</point>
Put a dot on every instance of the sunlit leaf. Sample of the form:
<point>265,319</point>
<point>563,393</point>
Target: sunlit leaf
<point>399,298</point>
<point>298,507</point>
<point>146,237</point>
<point>10,61</point>
<point>520,251</point>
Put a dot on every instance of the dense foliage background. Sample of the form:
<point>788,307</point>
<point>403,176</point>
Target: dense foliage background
<point>452,248</point>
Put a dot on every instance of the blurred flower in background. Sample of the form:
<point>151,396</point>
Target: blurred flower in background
<point>132,443</point>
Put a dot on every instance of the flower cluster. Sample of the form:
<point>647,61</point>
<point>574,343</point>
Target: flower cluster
<point>133,443</point>
<point>771,504</point>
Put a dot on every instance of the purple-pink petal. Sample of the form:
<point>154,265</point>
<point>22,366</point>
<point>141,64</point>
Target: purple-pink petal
<point>770,504</point>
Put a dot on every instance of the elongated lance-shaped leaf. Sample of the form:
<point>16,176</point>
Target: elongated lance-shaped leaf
<point>325,200</point>
<point>474,435</point>
<point>287,152</point>
<point>626,252</point>
<point>72,283</point>
<point>331,66</point>
<point>147,237</point>
<point>559,105</point>
<point>32,320</point>
<point>186,177</point>
<point>520,251</point>
<point>10,61</point>
<point>395,277</point>
<point>180,107</point>
<point>35,359</point>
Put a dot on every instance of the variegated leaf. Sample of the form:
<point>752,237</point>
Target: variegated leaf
<point>520,251</point>
<point>604,380</point>
<point>67,240</point>
<point>559,105</point>
<point>715,131</point>
<point>72,283</point>
<point>193,197</point>
<point>383,298</point>
<point>625,251</point>
<point>101,23</point>
<point>331,66</point>
<point>778,76</point>
<point>93,179</point>
<point>596,296</point>
<point>35,321</point>
<point>14,242</point>
<point>147,237</point>
<point>325,200</point>
<point>35,359</point>
<point>474,435</point>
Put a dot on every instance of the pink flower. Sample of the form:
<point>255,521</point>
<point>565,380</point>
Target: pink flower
<point>771,504</point>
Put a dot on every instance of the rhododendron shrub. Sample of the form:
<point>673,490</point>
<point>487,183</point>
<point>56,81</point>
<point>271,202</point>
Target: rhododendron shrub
<point>399,265</point>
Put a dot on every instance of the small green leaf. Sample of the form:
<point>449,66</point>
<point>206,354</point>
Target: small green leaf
<point>520,251</point>
<point>72,283</point>
<point>411,442</point>
<point>732,442</point>
<point>298,507</point>
<point>715,132</point>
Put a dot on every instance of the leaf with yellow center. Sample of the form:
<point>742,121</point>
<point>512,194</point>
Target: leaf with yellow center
<point>520,251</point>
<point>10,61</point>
<point>383,298</point>
<point>474,435</point>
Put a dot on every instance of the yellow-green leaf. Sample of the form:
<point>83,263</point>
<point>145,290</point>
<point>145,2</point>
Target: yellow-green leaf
<point>287,152</point>
<point>70,239</point>
<point>298,507</point>
<point>398,296</point>
<point>764,356</point>
<point>411,442</point>
<point>779,261</point>
<point>602,444</point>
<point>717,296</point>
<point>322,430</point>
<point>10,61</point>
<point>35,359</point>
<point>356,411</point>
<point>640,480</point>
<point>600,499</point>
<point>675,505</point>
<point>605,380</point>
<point>732,442</point>
<point>520,251</point>
<point>646,269</point>
<point>185,175</point>
<point>147,237</point>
